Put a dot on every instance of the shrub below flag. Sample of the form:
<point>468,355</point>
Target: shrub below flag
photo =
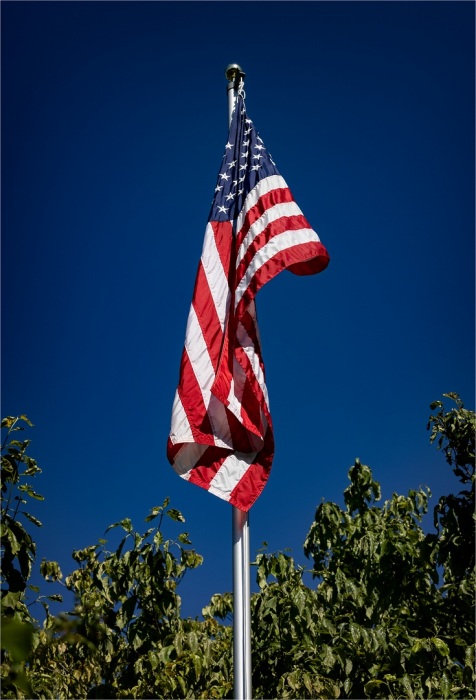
<point>221,435</point>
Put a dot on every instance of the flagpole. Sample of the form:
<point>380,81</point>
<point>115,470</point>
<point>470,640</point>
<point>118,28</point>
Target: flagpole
<point>240,528</point>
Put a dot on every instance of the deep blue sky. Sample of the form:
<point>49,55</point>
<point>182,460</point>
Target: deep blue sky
<point>114,120</point>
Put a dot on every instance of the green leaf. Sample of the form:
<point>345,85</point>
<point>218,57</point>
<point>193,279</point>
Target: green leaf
<point>154,659</point>
<point>32,467</point>
<point>406,682</point>
<point>125,524</point>
<point>169,562</point>
<point>166,653</point>
<point>440,646</point>
<point>153,513</point>
<point>121,546</point>
<point>175,515</point>
<point>9,539</point>
<point>328,657</point>
<point>184,538</point>
<point>445,685</point>
<point>355,632</point>
<point>469,656</point>
<point>197,665</point>
<point>307,682</point>
<point>348,686</point>
<point>50,570</point>
<point>182,685</point>
<point>10,601</point>
<point>30,492</point>
<point>374,684</point>
<point>17,638</point>
<point>32,519</point>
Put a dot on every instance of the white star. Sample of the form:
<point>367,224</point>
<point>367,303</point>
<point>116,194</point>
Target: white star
<point>232,164</point>
<point>245,154</point>
<point>245,143</point>
<point>248,121</point>
<point>218,188</point>
<point>259,147</point>
<point>224,176</point>
<point>229,145</point>
<point>223,210</point>
<point>240,192</point>
<point>230,196</point>
<point>248,131</point>
<point>242,179</point>
<point>256,167</point>
<point>243,167</point>
<point>257,156</point>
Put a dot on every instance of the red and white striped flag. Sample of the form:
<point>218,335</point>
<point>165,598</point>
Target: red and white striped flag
<point>221,436</point>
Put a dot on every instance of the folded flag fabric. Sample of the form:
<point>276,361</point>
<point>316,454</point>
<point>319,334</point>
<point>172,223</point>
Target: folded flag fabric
<point>221,435</point>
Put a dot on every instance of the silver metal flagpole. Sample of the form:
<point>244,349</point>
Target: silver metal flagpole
<point>240,528</point>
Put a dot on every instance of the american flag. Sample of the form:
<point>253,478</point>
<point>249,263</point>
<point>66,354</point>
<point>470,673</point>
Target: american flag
<point>221,435</point>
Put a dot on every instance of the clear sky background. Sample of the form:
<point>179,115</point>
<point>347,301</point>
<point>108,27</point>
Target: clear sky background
<point>114,121</point>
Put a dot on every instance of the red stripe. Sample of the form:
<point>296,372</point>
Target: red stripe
<point>223,233</point>
<point>254,480</point>
<point>252,404</point>
<point>172,450</point>
<point>240,433</point>
<point>250,324</point>
<point>210,463</point>
<point>274,228</point>
<point>202,297</point>
<point>305,256</point>
<point>207,316</point>
<point>192,401</point>
<point>222,384</point>
<point>253,398</point>
<point>277,196</point>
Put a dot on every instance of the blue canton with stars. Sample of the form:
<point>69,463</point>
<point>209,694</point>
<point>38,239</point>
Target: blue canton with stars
<point>245,162</point>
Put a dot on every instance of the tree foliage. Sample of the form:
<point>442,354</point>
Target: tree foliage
<point>125,637</point>
<point>390,612</point>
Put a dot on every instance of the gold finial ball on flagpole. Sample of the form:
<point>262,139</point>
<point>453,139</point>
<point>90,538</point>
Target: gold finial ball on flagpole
<point>233,71</point>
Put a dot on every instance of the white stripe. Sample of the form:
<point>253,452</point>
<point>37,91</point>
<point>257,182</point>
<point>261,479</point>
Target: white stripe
<point>273,182</point>
<point>272,214</point>
<point>187,457</point>
<point>219,422</point>
<point>277,244</point>
<point>216,275</point>
<point>197,351</point>
<point>249,348</point>
<point>235,395</point>
<point>180,430</point>
<point>230,473</point>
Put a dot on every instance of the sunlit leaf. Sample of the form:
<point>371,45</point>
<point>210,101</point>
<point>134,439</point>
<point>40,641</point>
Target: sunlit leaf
<point>175,515</point>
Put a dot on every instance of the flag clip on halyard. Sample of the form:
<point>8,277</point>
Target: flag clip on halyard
<point>221,434</point>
